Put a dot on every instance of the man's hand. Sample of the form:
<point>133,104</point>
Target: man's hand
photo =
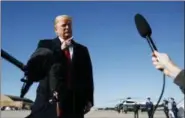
<point>88,107</point>
<point>66,44</point>
<point>163,62</point>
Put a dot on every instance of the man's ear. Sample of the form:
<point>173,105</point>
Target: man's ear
<point>55,30</point>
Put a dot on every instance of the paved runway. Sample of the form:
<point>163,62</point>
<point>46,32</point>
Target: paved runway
<point>92,114</point>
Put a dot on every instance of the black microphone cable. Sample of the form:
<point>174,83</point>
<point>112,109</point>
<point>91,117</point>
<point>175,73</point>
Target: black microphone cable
<point>153,48</point>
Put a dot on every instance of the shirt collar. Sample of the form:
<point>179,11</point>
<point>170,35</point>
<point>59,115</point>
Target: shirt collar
<point>62,40</point>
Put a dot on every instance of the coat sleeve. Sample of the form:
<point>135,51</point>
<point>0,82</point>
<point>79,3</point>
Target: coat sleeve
<point>40,61</point>
<point>89,78</point>
<point>180,81</point>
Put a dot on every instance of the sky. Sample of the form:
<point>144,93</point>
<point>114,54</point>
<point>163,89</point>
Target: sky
<point>121,58</point>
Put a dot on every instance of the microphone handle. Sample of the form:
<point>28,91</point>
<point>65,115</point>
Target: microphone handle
<point>151,43</point>
<point>58,110</point>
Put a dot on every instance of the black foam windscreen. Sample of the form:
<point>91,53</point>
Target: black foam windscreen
<point>41,59</point>
<point>142,26</point>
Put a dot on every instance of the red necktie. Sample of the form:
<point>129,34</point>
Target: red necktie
<point>67,54</point>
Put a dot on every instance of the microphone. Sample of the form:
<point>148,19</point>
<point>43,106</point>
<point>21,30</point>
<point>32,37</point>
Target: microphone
<point>35,69</point>
<point>56,82</point>
<point>145,31</point>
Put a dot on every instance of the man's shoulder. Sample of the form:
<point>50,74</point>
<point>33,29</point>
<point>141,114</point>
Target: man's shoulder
<point>81,46</point>
<point>44,41</point>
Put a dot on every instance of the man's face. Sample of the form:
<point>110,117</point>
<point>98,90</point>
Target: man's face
<point>63,28</point>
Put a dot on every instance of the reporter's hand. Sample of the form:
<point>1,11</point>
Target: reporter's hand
<point>163,62</point>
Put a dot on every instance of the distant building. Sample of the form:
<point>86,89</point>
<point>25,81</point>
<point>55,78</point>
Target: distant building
<point>15,101</point>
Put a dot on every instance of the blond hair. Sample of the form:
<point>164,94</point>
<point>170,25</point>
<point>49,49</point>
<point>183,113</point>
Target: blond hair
<point>62,17</point>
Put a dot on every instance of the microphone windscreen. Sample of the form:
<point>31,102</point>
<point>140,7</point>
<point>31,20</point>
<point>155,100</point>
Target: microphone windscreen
<point>39,55</point>
<point>39,64</point>
<point>142,26</point>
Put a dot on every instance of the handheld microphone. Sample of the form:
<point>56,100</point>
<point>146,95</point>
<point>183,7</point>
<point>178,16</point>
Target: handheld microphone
<point>56,82</point>
<point>145,31</point>
<point>35,69</point>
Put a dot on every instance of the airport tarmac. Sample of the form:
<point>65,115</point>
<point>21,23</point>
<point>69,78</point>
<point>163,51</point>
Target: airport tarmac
<point>91,114</point>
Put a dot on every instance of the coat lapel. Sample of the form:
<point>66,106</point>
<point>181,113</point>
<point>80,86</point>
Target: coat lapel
<point>57,48</point>
<point>56,44</point>
<point>74,50</point>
